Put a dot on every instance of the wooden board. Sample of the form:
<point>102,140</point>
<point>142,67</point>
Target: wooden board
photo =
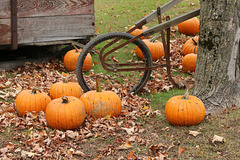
<point>47,20</point>
<point>36,8</point>
<point>41,29</point>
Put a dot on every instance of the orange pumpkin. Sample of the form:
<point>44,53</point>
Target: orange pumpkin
<point>65,88</point>
<point>190,46</point>
<point>189,27</point>
<point>136,32</point>
<point>65,113</point>
<point>100,103</point>
<point>155,47</point>
<point>184,110</point>
<point>31,101</point>
<point>189,62</point>
<point>71,57</point>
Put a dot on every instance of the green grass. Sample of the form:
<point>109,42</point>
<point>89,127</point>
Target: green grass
<point>10,75</point>
<point>158,100</point>
<point>111,15</point>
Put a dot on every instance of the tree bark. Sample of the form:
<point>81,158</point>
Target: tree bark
<point>217,78</point>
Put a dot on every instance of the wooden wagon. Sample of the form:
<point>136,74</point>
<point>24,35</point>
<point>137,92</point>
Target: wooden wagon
<point>45,22</point>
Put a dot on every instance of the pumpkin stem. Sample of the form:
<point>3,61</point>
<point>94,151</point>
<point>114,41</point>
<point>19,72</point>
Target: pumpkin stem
<point>98,85</point>
<point>64,99</point>
<point>66,79</point>
<point>186,95</point>
<point>195,50</point>
<point>154,38</point>
<point>195,42</point>
<point>34,90</point>
<point>77,50</point>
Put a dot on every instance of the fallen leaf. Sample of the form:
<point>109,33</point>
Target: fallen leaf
<point>8,83</point>
<point>181,150</point>
<point>64,74</point>
<point>6,108</point>
<point>25,154</point>
<point>121,158</point>
<point>126,145</point>
<point>129,130</point>
<point>80,153</point>
<point>217,138</point>
<point>194,133</point>
<point>72,134</point>
<point>157,112</point>
<point>192,4</point>
<point>132,139</point>
<point>131,156</point>
<point>70,152</point>
<point>165,129</point>
<point>26,76</point>
<point>97,135</point>
<point>167,88</point>
<point>145,108</point>
<point>107,117</point>
<point>2,86</point>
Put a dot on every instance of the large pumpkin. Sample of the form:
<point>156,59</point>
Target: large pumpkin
<point>65,88</point>
<point>136,32</point>
<point>184,110</point>
<point>65,113</point>
<point>71,57</point>
<point>190,46</point>
<point>31,101</point>
<point>100,103</point>
<point>155,47</point>
<point>189,27</point>
<point>189,62</point>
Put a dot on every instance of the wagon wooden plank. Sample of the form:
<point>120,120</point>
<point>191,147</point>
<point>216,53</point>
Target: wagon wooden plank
<point>40,29</point>
<point>34,8</point>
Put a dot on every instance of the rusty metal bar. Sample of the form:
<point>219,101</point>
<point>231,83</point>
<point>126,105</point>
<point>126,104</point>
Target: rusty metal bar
<point>137,26</point>
<point>102,58</point>
<point>115,40</point>
<point>170,23</point>
<point>168,57</point>
<point>14,24</point>
<point>114,67</point>
<point>166,45</point>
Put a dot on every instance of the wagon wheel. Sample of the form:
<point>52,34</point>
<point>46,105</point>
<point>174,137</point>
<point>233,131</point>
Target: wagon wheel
<point>118,69</point>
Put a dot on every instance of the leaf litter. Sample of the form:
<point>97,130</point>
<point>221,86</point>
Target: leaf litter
<point>34,139</point>
<point>30,137</point>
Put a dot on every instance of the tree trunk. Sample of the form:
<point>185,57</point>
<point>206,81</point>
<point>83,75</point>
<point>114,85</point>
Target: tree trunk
<point>217,78</point>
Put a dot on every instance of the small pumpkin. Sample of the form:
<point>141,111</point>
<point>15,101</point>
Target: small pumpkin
<point>65,113</point>
<point>65,88</point>
<point>100,103</point>
<point>190,46</point>
<point>31,101</point>
<point>184,110</point>
<point>71,57</point>
<point>189,27</point>
<point>189,62</point>
<point>136,32</point>
<point>155,47</point>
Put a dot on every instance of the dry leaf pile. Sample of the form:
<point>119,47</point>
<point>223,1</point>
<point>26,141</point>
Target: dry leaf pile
<point>34,139</point>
